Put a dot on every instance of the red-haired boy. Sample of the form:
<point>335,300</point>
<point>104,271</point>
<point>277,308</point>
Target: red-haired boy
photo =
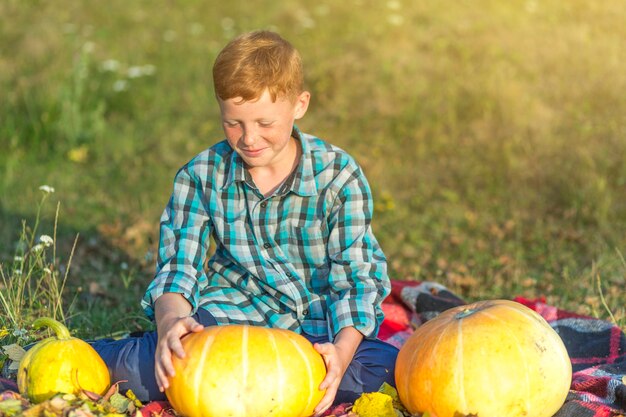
<point>291,218</point>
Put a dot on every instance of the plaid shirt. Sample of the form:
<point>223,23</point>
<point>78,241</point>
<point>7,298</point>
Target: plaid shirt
<point>303,259</point>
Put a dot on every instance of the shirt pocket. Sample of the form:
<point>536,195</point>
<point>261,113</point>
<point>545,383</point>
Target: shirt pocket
<point>305,245</point>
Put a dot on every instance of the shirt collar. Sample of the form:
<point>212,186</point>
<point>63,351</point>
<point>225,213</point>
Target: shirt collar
<point>301,181</point>
<point>236,170</point>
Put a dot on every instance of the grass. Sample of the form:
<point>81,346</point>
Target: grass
<point>491,134</point>
<point>31,284</point>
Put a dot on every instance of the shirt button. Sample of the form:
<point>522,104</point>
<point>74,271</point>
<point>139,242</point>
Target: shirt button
<point>288,274</point>
<point>263,204</point>
<point>305,312</point>
<point>267,245</point>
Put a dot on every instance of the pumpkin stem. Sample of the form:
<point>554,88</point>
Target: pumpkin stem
<point>58,328</point>
<point>464,313</point>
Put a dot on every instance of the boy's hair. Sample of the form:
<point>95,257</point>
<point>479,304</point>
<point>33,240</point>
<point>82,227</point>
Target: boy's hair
<point>256,61</point>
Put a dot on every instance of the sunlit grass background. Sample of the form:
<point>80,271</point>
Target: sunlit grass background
<point>493,134</point>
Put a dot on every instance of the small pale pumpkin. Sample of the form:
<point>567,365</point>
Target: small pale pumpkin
<point>60,364</point>
<point>492,358</point>
<point>246,371</point>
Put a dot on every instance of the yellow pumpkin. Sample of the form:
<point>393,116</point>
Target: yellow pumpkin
<point>60,364</point>
<point>249,371</point>
<point>493,358</point>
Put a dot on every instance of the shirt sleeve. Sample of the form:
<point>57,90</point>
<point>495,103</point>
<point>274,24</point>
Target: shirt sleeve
<point>185,229</point>
<point>358,275</point>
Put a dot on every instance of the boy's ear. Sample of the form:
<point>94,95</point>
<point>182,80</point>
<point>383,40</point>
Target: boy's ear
<point>302,104</point>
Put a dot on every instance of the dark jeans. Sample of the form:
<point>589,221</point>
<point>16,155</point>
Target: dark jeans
<point>132,360</point>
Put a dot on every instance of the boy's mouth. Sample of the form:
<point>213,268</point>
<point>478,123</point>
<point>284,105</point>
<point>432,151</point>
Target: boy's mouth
<point>252,152</point>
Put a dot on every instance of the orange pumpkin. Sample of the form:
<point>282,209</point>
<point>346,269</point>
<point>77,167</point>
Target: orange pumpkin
<point>60,364</point>
<point>246,371</point>
<point>492,358</point>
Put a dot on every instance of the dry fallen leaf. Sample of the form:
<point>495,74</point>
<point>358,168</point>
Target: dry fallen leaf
<point>15,353</point>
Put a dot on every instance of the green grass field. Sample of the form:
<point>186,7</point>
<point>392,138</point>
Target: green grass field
<point>492,134</point>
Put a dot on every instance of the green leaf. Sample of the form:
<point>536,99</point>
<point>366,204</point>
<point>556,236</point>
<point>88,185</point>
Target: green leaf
<point>120,403</point>
<point>10,408</point>
<point>385,388</point>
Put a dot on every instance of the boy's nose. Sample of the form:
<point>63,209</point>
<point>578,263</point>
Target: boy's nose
<point>248,136</point>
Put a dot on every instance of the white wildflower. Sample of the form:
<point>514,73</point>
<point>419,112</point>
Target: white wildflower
<point>46,189</point>
<point>17,272</point>
<point>46,240</point>
<point>134,72</point>
<point>394,5</point>
<point>47,271</point>
<point>120,85</point>
<point>228,24</point>
<point>322,10</point>
<point>305,19</point>
<point>124,266</point>
<point>395,19</point>
<point>140,71</point>
<point>20,332</point>
<point>531,6</point>
<point>38,247</point>
<point>110,65</point>
<point>148,69</point>
<point>88,47</point>
<point>18,259</point>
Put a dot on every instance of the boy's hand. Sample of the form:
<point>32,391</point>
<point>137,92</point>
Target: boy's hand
<point>336,365</point>
<point>170,332</point>
<point>173,322</point>
<point>337,357</point>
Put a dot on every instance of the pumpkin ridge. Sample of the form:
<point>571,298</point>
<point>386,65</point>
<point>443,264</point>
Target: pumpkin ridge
<point>459,366</point>
<point>24,378</point>
<point>433,351</point>
<point>521,355</point>
<point>413,360</point>
<point>245,341</point>
<point>279,366</point>
<point>309,372</point>
<point>521,352</point>
<point>206,348</point>
<point>531,314</point>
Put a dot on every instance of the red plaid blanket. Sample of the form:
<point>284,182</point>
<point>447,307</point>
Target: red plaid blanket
<point>597,348</point>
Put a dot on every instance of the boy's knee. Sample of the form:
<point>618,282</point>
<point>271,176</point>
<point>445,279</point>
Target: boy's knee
<point>377,354</point>
<point>131,363</point>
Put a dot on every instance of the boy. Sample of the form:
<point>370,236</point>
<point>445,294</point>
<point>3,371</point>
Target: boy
<point>290,215</point>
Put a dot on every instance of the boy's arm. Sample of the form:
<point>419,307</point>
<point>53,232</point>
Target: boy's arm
<point>174,293</point>
<point>358,275</point>
<point>185,230</point>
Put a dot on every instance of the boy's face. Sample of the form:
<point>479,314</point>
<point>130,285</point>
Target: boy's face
<point>260,131</point>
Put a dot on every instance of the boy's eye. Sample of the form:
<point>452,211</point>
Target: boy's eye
<point>231,124</point>
<point>265,124</point>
